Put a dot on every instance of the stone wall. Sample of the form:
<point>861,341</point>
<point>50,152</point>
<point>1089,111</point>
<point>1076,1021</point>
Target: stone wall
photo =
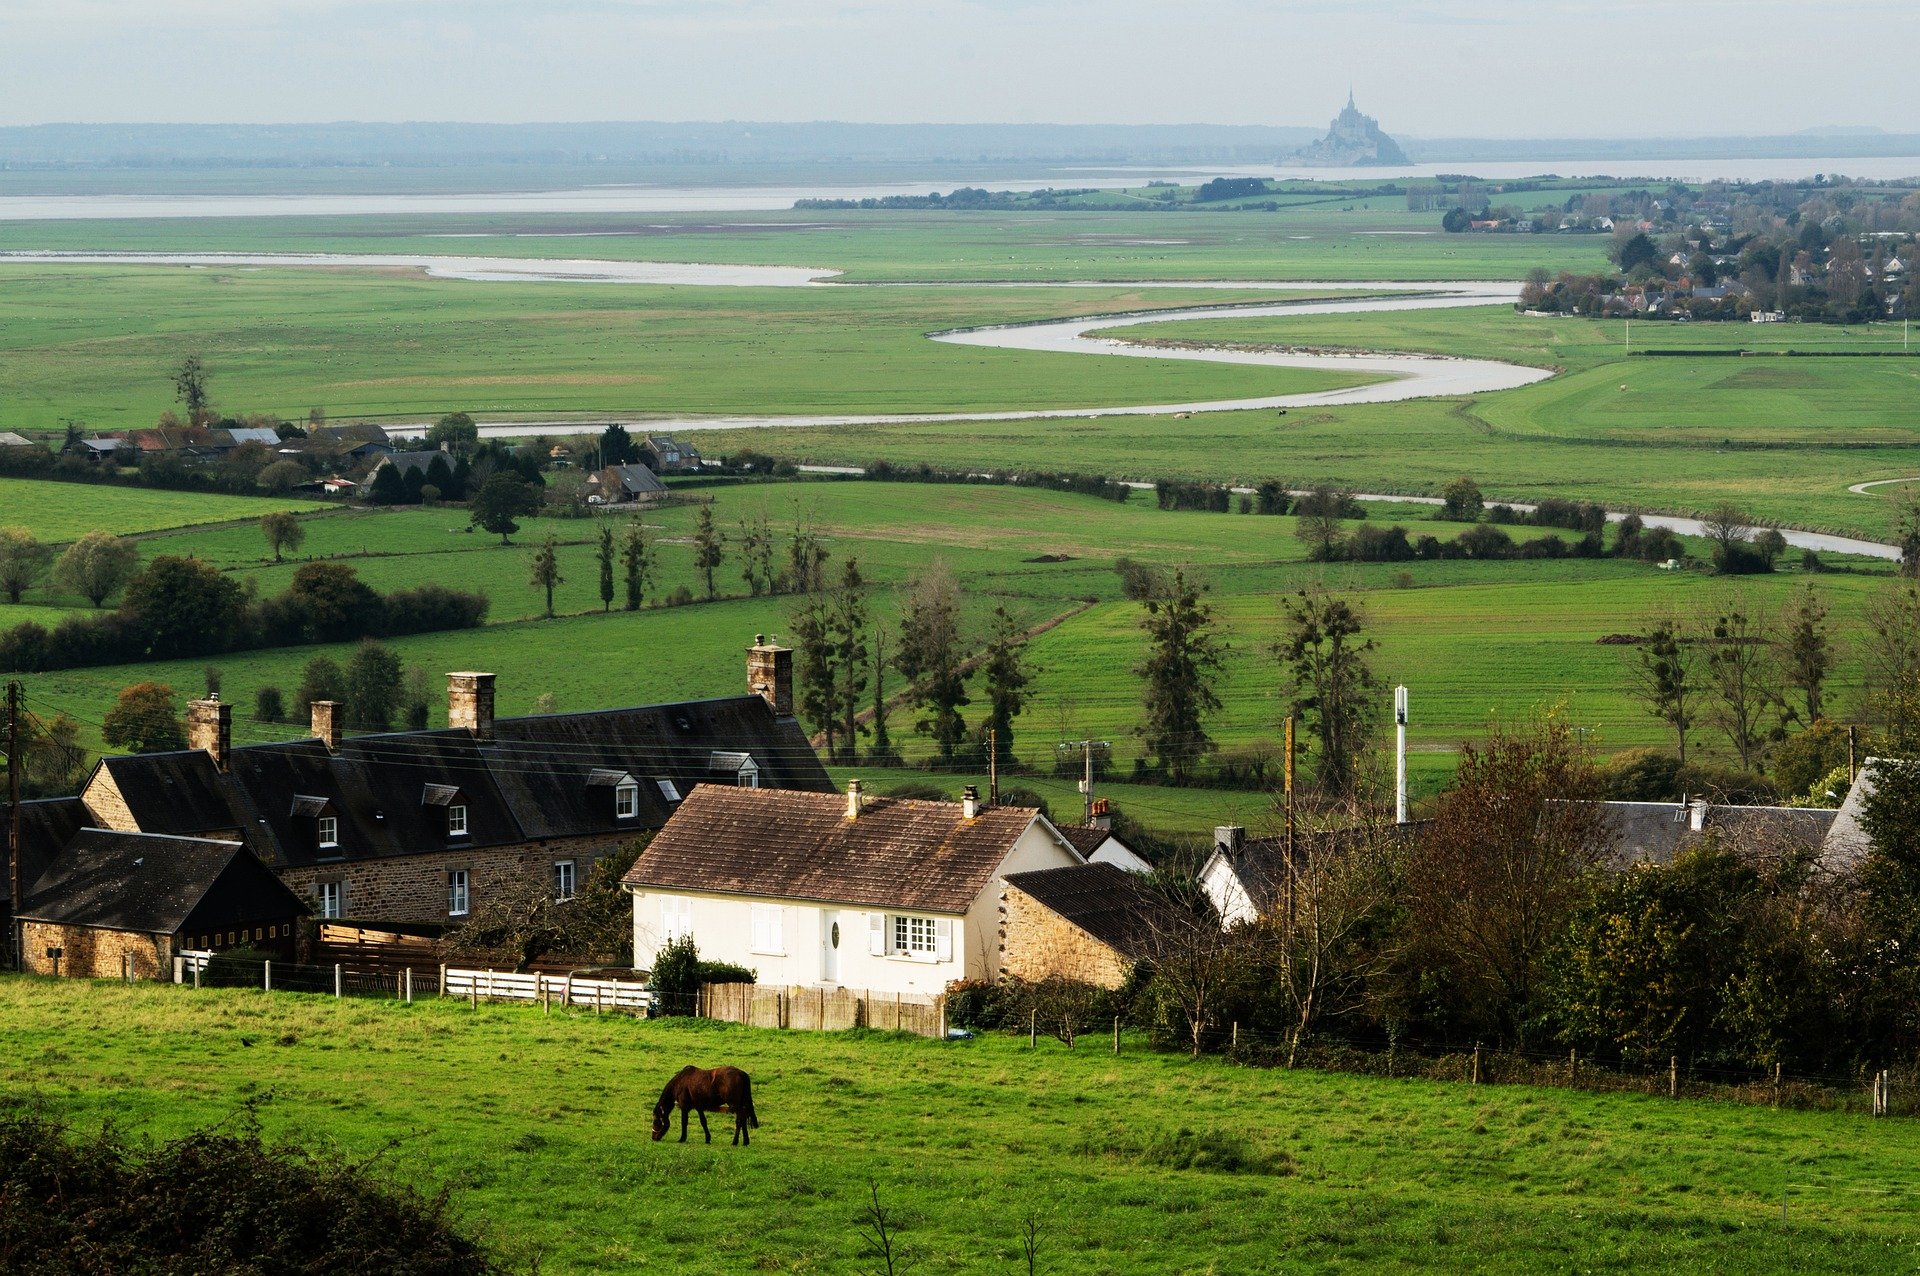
<point>90,953</point>
<point>1039,942</point>
<point>413,888</point>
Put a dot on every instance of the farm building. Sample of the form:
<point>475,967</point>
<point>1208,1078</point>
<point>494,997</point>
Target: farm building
<point>1657,832</point>
<point>668,455</point>
<point>130,902</point>
<point>886,894</point>
<point>420,825</point>
<point>1097,843</point>
<point>1091,922</point>
<point>1247,878</point>
<point>622,485</point>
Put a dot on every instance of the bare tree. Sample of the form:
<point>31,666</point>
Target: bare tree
<point>1664,677</point>
<point>1729,528</point>
<point>1890,698</point>
<point>877,1238</point>
<point>1198,968</point>
<point>1745,679</point>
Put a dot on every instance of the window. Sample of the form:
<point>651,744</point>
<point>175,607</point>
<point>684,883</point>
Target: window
<point>913,936</point>
<point>769,925</point>
<point>563,879</point>
<point>626,801</point>
<point>333,899</point>
<point>457,892</point>
<point>668,791</point>
<point>748,776</point>
<point>456,821</point>
<point>328,827</point>
<point>676,918</point>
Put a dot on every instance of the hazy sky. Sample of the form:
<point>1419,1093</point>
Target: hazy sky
<point>1519,68</point>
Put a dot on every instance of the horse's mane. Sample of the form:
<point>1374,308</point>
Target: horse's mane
<point>666,1092</point>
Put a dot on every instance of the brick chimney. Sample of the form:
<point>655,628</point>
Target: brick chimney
<point>470,703</point>
<point>328,723</point>
<point>210,727</point>
<point>855,800</point>
<point>770,675</point>
<point>1102,814</point>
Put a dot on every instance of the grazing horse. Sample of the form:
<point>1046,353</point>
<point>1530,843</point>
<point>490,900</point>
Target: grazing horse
<point>704,1090</point>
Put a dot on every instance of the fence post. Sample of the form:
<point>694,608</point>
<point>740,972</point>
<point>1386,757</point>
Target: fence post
<point>1776,1084</point>
<point>443,979</point>
<point>1033,1036</point>
<point>546,995</point>
<point>1673,1076</point>
<point>198,966</point>
<point>566,992</point>
<point>1573,1067</point>
<point>179,970</point>
<point>599,999</point>
<point>1476,1063</point>
<point>409,985</point>
<point>1236,1034</point>
<point>1116,1034</point>
<point>473,990</point>
<point>266,975</point>
<point>339,982</point>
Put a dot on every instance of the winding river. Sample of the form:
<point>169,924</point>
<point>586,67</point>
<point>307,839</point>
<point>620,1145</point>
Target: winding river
<point>1398,376</point>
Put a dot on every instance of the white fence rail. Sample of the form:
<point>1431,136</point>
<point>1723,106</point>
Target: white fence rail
<point>557,990</point>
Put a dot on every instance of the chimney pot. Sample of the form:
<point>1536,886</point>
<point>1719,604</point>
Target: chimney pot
<point>770,675</point>
<point>854,799</point>
<point>210,727</point>
<point>470,703</point>
<point>327,723</point>
<point>970,802</point>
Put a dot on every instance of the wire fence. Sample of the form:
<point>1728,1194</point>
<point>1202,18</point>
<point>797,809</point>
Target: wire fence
<point>199,969</point>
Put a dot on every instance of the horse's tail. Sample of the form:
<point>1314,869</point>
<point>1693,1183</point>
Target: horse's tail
<point>753,1119</point>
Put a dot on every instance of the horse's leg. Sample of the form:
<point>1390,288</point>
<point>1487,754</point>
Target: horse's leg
<point>703,1125</point>
<point>740,1129</point>
<point>683,1123</point>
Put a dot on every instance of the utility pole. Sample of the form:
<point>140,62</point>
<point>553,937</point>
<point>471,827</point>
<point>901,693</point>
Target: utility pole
<point>1400,755</point>
<point>993,767</point>
<point>16,710</point>
<point>1287,771</point>
<point>1086,748</point>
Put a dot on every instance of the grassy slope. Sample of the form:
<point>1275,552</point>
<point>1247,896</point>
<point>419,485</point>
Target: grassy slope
<point>66,511</point>
<point>540,1126</point>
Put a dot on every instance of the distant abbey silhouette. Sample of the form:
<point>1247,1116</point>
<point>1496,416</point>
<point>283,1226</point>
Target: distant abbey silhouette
<point>1353,140</point>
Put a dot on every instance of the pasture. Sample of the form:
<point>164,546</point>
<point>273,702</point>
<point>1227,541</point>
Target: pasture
<point>1142,1163</point>
<point>56,512</point>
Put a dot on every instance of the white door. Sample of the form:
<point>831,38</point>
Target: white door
<point>830,939</point>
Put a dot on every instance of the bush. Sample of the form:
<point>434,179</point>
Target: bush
<point>1379,545</point>
<point>725,972</point>
<point>978,1003</point>
<point>1642,775</point>
<point>211,1202</point>
<point>675,977</point>
<point>1025,797</point>
<point>268,706</point>
<point>1719,783</point>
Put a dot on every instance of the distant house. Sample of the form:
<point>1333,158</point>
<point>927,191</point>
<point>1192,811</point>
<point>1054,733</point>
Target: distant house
<point>341,443</point>
<point>9,439</point>
<point>100,451</point>
<point>1657,832</point>
<point>401,463</point>
<point>1097,843</point>
<point>1091,922</point>
<point>114,902</point>
<point>623,485</point>
<point>665,454</point>
<point>1847,843</point>
<point>252,434</point>
<point>886,894</point>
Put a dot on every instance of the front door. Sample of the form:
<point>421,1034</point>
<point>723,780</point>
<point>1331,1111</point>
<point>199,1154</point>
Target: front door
<point>829,946</point>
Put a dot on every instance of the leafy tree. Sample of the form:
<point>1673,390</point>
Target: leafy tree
<point>1183,663</point>
<point>1008,674</point>
<point>1891,874</point>
<point>1461,501</point>
<point>23,561</point>
<point>546,570</point>
<point>332,602</point>
<point>708,547</point>
<point>190,387</point>
<point>930,656</point>
<point>455,431</point>
<point>145,718</point>
<point>1907,534</point>
<point>1327,659</point>
<point>97,565</point>
<point>1456,221</point>
<point>186,607</point>
<point>501,502</point>
<point>1663,678</point>
<point>806,561</point>
<point>616,445</point>
<point>756,554</point>
<point>1319,525</point>
<point>1747,705</point>
<point>388,487</point>
<point>440,477</point>
<point>848,636</point>
<point>322,679</point>
<point>269,705</point>
<point>283,532</point>
<point>280,476</point>
<point>1636,250</point>
<point>416,701</point>
<point>605,556</point>
<point>811,623</point>
<point>1807,653</point>
<point>1729,528</point>
<point>882,750</point>
<point>636,561</point>
<point>372,686</point>
<point>1891,646</point>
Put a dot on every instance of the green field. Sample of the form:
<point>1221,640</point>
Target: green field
<point>66,511</point>
<point>539,1125</point>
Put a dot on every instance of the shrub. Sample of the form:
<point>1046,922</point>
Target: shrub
<point>978,1003</point>
<point>1025,797</point>
<point>725,972</point>
<point>268,705</point>
<point>1642,775</point>
<point>675,977</point>
<point>1720,783</point>
<point>1379,545</point>
<point>920,790</point>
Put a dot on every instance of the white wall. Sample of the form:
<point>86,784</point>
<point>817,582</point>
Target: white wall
<point>1036,848</point>
<point>1229,898</point>
<point>1117,853</point>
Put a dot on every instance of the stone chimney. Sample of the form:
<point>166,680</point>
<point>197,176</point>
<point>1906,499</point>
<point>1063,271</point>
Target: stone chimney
<point>1697,814</point>
<point>1102,814</point>
<point>1230,838</point>
<point>327,723</point>
<point>770,675</point>
<point>855,800</point>
<point>470,703</point>
<point>970,802</point>
<point>210,727</point>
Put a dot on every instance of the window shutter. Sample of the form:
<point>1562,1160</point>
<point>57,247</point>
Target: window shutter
<point>776,929</point>
<point>943,939</point>
<point>877,934</point>
<point>759,919</point>
<point>686,916</point>
<point>669,918</point>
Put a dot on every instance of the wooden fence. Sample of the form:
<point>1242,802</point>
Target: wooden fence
<point>824,1009</point>
<point>553,990</point>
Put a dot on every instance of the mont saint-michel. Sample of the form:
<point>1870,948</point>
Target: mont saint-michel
<point>1352,140</point>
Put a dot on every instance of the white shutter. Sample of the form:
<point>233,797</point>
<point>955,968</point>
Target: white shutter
<point>669,918</point>
<point>686,916</point>
<point>877,934</point>
<point>758,915</point>
<point>943,939</point>
<point>776,929</point>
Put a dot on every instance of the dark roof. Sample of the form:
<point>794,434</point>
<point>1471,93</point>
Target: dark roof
<point>46,826</point>
<point>782,845</point>
<point>404,461</point>
<point>1260,863</point>
<point>1106,902</point>
<point>157,885</point>
<point>532,780</point>
<point>636,479</point>
<point>1656,832</point>
<point>1086,838</point>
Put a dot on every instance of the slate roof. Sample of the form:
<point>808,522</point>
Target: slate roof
<point>402,462</point>
<point>769,844</point>
<point>253,434</point>
<point>634,480</point>
<point>46,825</point>
<point>156,885</point>
<point>1086,838</point>
<point>1847,842</point>
<point>1260,864</point>
<point>531,780</point>
<point>1657,832</point>
<point>1107,902</point>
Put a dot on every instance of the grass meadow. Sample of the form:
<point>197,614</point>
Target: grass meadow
<point>1144,1163</point>
<point>56,512</point>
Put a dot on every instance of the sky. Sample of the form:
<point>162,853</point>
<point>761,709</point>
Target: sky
<point>1524,68</point>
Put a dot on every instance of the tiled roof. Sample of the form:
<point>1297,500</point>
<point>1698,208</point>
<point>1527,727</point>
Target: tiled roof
<point>786,845</point>
<point>1086,838</point>
<point>156,885</point>
<point>1107,902</point>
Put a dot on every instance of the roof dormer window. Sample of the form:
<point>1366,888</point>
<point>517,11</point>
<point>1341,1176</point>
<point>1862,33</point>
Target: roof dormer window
<point>626,800</point>
<point>327,832</point>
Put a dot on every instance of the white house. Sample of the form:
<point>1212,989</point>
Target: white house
<point>817,889</point>
<point>1097,843</point>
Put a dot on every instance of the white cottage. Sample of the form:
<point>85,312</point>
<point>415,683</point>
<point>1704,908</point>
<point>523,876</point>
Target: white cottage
<point>816,889</point>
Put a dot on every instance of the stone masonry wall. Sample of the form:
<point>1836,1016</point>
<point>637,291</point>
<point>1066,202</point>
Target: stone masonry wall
<point>1038,942</point>
<point>95,954</point>
<point>413,888</point>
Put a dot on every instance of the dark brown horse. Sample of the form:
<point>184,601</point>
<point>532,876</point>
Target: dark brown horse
<point>704,1090</point>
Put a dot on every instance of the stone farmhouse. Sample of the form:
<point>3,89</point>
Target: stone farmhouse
<point>815,889</point>
<point>420,826</point>
<point>1091,922</point>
